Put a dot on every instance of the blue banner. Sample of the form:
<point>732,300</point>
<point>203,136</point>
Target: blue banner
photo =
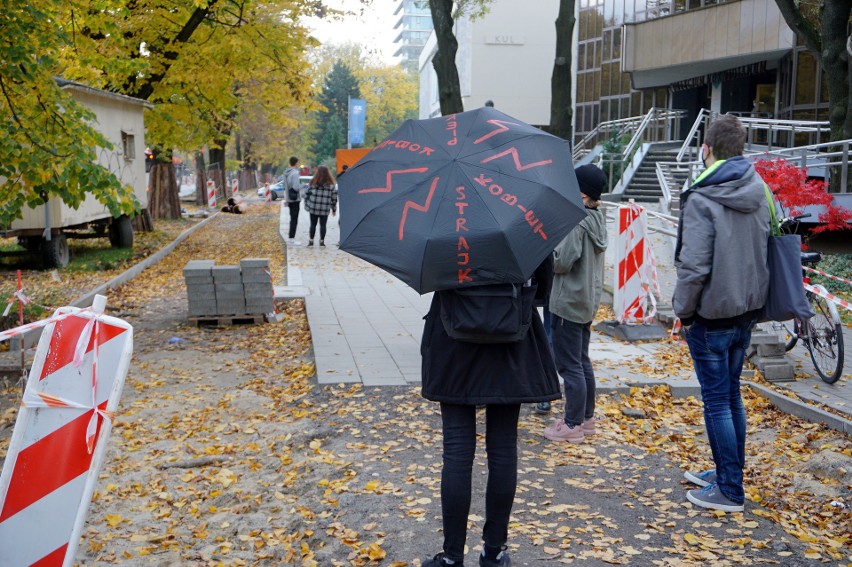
<point>357,120</point>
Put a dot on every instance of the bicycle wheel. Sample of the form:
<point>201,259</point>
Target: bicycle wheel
<point>825,339</point>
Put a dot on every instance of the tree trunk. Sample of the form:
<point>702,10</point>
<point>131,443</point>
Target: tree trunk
<point>163,199</point>
<point>143,222</point>
<point>217,168</point>
<point>200,179</point>
<point>449,90</point>
<point>561,113</point>
<point>835,61</point>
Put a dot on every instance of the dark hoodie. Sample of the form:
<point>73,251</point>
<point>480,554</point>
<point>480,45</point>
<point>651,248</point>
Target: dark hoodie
<point>722,275</point>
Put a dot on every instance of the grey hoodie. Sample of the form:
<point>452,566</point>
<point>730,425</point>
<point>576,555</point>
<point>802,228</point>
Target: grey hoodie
<point>291,181</point>
<point>720,255</point>
<point>577,270</point>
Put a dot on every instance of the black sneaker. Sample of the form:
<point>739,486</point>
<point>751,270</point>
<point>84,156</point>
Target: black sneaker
<point>503,560</point>
<point>441,561</point>
<point>542,408</point>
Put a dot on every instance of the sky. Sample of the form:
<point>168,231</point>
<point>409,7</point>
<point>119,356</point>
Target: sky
<point>374,29</point>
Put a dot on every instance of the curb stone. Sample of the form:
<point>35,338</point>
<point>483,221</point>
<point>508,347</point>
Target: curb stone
<point>802,409</point>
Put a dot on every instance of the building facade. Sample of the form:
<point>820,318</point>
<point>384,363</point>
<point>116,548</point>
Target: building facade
<point>414,24</point>
<point>502,58</point>
<point>737,56</point>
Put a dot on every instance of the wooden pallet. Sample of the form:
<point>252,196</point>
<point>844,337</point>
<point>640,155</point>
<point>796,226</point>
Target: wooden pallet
<point>226,320</point>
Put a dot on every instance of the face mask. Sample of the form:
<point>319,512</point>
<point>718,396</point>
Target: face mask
<point>703,159</point>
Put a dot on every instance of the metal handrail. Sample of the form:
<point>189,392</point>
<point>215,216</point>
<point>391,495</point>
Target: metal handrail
<point>771,126</point>
<point>653,115</point>
<point>622,125</point>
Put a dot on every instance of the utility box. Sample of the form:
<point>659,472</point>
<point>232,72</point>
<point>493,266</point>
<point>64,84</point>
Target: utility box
<point>47,227</point>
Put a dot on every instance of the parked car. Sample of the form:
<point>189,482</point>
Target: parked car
<point>276,189</point>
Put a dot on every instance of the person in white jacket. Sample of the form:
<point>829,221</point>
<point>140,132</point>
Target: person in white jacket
<point>574,300</point>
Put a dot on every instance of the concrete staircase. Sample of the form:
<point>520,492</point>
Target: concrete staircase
<point>644,186</point>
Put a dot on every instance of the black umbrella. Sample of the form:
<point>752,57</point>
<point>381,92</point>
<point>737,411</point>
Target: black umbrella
<point>466,199</point>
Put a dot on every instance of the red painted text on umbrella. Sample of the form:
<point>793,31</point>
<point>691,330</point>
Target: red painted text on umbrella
<point>462,246</point>
<point>413,147</point>
<point>512,200</point>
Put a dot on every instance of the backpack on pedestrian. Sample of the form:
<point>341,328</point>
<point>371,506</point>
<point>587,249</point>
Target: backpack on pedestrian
<point>488,314</point>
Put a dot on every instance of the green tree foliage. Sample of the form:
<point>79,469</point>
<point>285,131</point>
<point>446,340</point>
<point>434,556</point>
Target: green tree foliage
<point>339,86</point>
<point>47,146</point>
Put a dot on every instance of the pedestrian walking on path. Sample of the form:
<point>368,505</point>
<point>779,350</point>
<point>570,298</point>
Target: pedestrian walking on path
<point>574,300</point>
<point>320,200</point>
<point>718,295</point>
<point>293,194</point>
<point>501,376</point>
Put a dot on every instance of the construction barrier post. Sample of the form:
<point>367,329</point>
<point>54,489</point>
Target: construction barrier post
<point>211,194</point>
<point>635,286</point>
<point>61,433</point>
<point>267,193</point>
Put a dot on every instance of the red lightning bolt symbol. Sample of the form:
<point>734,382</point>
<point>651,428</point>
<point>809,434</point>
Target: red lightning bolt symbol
<point>412,205</point>
<point>514,153</point>
<point>389,184</point>
<point>501,127</point>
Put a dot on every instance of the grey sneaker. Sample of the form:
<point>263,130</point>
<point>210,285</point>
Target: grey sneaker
<point>702,478</point>
<point>710,497</point>
<point>542,408</point>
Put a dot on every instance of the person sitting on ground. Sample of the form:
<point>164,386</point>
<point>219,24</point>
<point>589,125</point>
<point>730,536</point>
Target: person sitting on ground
<point>232,207</point>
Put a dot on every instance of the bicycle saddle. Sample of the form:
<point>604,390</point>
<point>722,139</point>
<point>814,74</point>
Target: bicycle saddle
<point>811,257</point>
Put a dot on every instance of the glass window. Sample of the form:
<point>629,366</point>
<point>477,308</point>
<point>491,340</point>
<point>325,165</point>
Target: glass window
<point>805,78</point>
<point>616,44</point>
<point>580,88</point>
<point>590,87</point>
<point>607,45</point>
<point>578,118</point>
<point>598,50</point>
<point>596,86</point>
<point>590,55</point>
<point>606,79</point>
<point>605,107</point>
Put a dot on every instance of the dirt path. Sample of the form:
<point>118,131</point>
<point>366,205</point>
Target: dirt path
<point>225,452</point>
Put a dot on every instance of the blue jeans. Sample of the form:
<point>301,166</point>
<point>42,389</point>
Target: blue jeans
<point>571,352</point>
<point>501,445</point>
<point>718,356</point>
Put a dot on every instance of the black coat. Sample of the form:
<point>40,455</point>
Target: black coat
<point>458,372</point>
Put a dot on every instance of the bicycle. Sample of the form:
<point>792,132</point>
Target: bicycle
<point>822,334</point>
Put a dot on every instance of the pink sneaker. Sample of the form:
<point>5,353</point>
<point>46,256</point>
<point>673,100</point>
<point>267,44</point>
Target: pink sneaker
<point>561,432</point>
<point>589,427</point>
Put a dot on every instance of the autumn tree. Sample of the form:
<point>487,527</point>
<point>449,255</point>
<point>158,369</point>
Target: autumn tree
<point>47,145</point>
<point>824,27</point>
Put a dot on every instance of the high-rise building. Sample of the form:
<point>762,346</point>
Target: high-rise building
<point>414,25</point>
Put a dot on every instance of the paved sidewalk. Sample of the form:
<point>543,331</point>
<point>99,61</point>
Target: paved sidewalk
<point>366,325</point>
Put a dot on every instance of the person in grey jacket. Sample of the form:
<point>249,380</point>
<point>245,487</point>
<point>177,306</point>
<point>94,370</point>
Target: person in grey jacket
<point>574,300</point>
<point>291,181</point>
<point>722,282</point>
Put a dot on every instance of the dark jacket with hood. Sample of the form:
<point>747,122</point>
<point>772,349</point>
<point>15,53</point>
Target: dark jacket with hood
<point>722,274</point>
<point>457,372</point>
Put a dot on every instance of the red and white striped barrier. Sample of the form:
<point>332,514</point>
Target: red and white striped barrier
<point>822,292</point>
<point>636,285</point>
<point>211,194</point>
<point>813,271</point>
<point>267,193</point>
<point>61,433</point>
<point>235,186</point>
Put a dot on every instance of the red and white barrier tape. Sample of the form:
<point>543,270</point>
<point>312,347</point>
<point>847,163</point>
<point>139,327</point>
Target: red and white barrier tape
<point>812,270</point>
<point>818,290</point>
<point>19,296</point>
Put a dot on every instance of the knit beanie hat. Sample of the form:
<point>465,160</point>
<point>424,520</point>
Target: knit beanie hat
<point>592,180</point>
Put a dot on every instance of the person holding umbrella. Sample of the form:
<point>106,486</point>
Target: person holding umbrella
<point>470,206</point>
<point>501,376</point>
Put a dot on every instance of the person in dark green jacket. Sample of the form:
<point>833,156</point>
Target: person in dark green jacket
<point>574,300</point>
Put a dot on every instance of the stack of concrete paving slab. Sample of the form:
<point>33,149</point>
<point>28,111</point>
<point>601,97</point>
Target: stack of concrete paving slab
<point>200,291</point>
<point>257,285</point>
<point>223,291</point>
<point>230,299</point>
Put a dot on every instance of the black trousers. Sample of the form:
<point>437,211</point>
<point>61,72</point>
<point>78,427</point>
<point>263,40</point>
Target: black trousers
<point>501,444</point>
<point>294,218</point>
<point>323,220</point>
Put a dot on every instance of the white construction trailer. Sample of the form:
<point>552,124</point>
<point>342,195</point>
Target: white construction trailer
<point>46,228</point>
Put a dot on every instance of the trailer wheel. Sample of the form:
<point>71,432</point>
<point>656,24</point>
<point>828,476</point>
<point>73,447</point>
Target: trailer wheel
<point>55,251</point>
<point>121,232</point>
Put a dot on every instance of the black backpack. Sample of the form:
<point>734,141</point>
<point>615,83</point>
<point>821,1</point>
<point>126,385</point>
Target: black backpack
<point>488,314</point>
<point>292,194</point>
